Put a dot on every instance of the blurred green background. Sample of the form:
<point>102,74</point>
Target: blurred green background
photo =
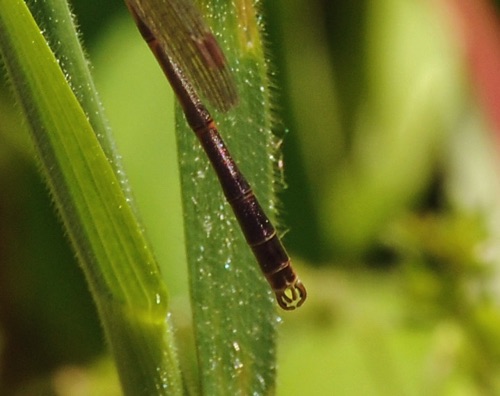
<point>390,202</point>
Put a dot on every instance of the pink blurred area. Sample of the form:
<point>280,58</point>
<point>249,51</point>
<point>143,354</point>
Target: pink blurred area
<point>477,23</point>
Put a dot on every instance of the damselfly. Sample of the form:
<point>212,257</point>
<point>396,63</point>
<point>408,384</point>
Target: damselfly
<point>191,59</point>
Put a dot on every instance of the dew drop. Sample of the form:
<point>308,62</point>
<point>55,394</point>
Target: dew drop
<point>238,365</point>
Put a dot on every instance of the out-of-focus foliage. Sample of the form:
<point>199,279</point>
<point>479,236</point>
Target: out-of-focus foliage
<point>392,205</point>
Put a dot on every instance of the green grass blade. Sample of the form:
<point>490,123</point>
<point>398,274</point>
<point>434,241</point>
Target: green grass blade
<point>56,21</point>
<point>117,261</point>
<point>234,311</point>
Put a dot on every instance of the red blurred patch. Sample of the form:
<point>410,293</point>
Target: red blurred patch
<point>478,23</point>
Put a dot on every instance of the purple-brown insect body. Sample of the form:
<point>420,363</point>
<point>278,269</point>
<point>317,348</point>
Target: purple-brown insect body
<point>258,230</point>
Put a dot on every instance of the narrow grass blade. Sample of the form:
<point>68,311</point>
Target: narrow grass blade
<point>56,21</point>
<point>234,310</point>
<point>114,254</point>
